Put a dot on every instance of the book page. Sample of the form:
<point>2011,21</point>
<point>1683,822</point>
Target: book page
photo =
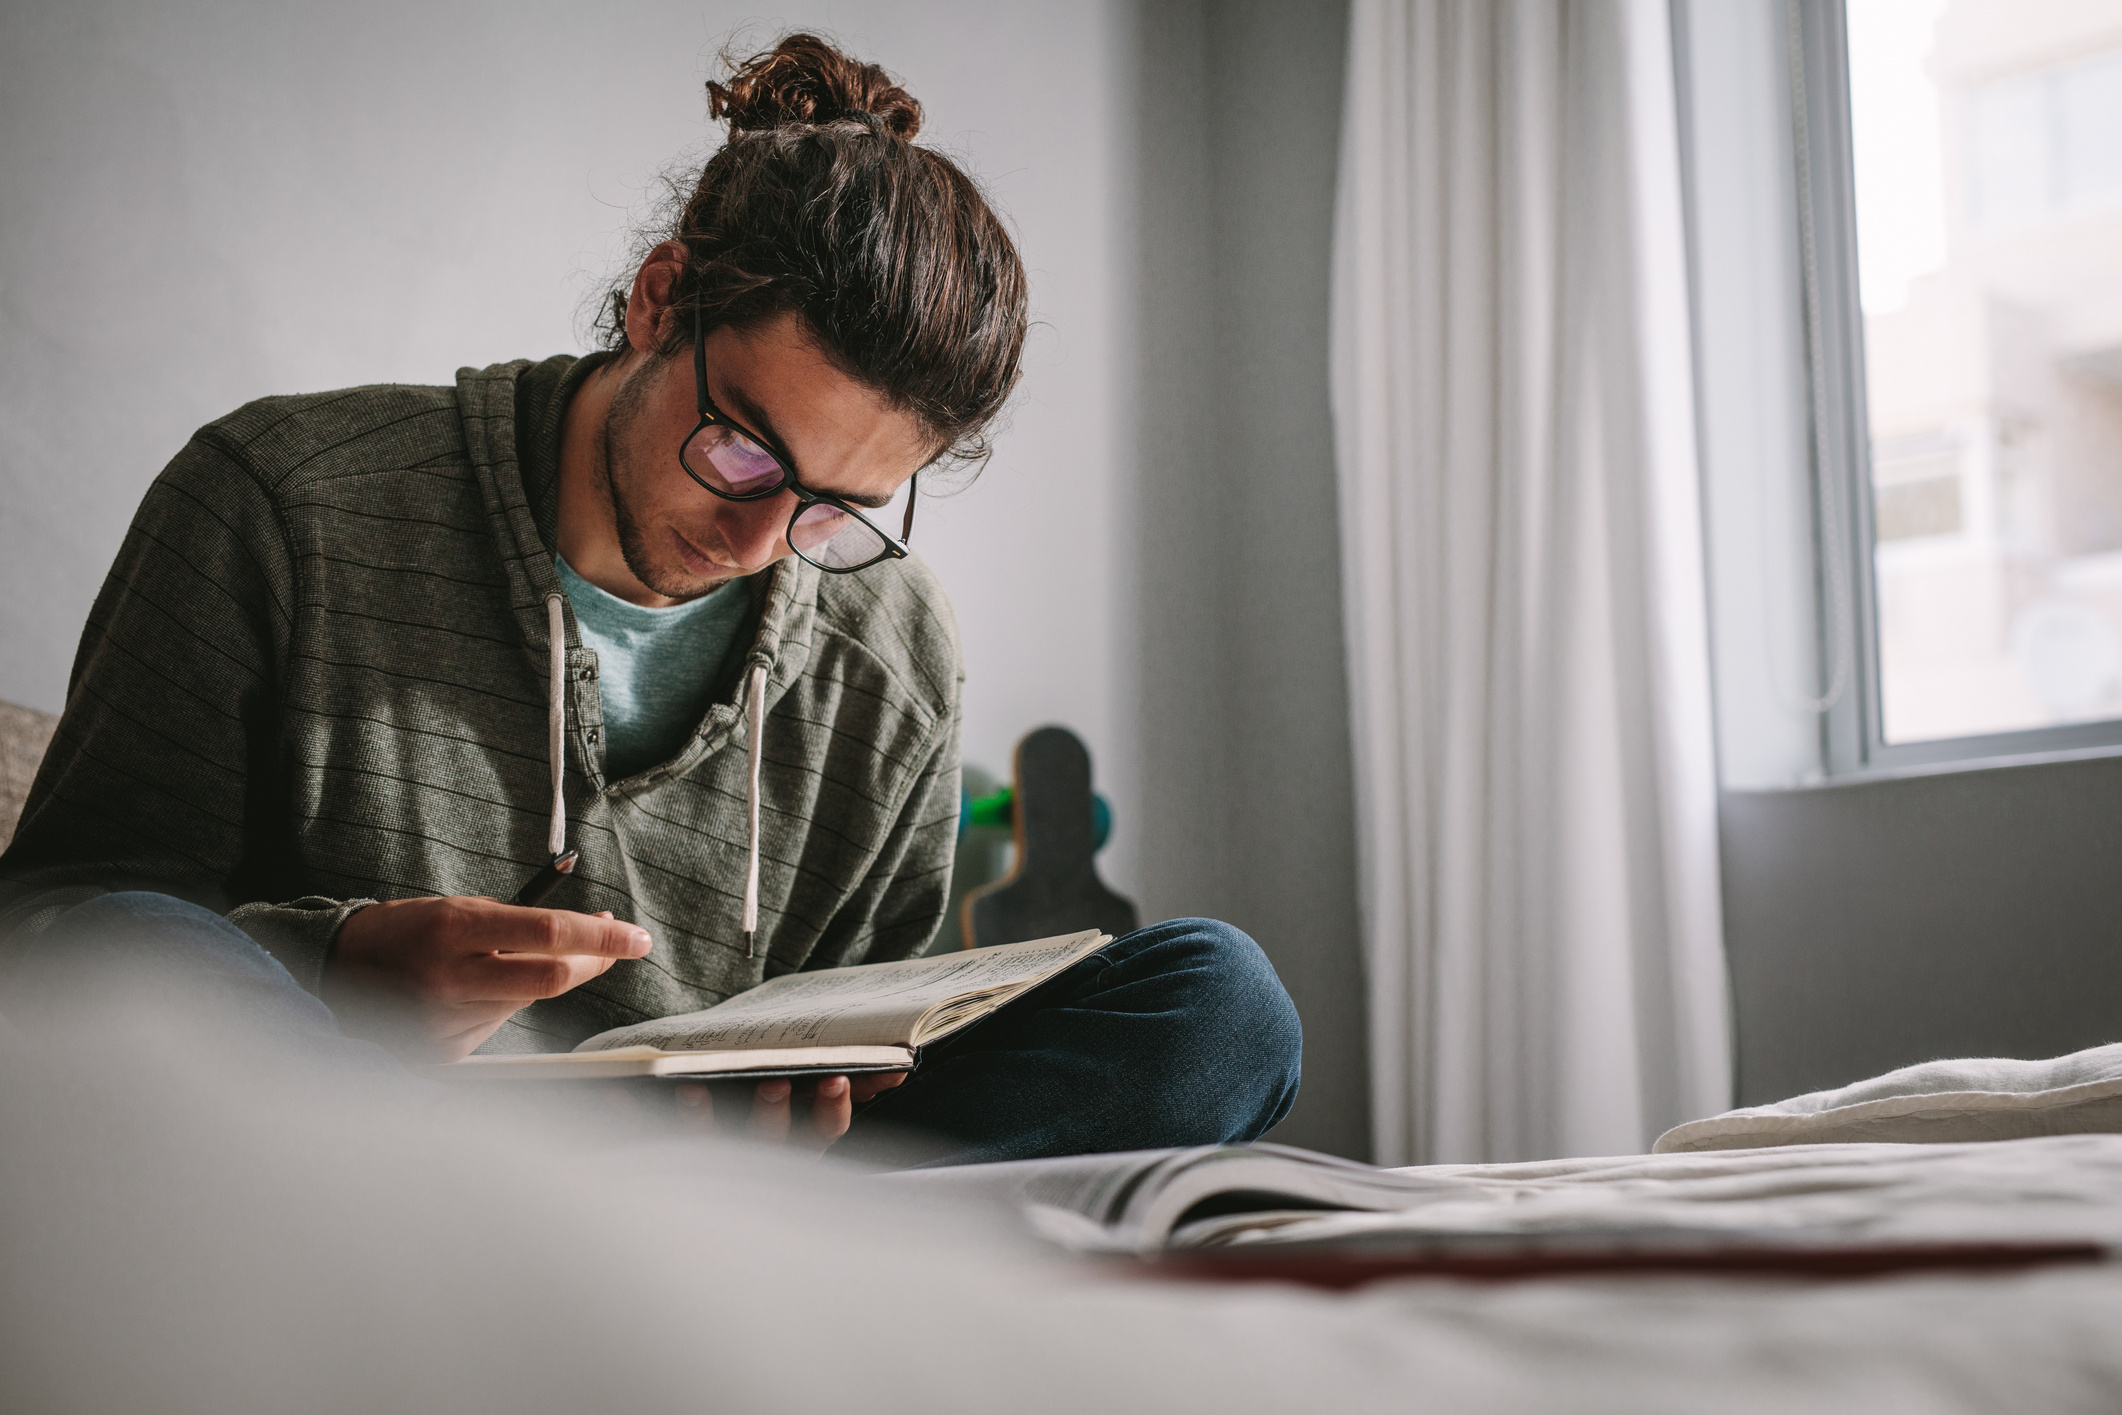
<point>649,1061</point>
<point>873,1004</point>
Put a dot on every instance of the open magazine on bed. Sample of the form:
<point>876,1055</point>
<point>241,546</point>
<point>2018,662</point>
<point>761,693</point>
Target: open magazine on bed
<point>870,1017</point>
<point>1266,1210</point>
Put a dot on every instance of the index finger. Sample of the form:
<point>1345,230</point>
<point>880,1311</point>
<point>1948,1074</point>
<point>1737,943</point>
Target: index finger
<point>511,928</point>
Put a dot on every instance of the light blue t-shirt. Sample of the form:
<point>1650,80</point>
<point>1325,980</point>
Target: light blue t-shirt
<point>656,668</point>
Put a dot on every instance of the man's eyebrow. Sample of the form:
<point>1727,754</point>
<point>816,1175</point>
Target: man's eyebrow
<point>756,419</point>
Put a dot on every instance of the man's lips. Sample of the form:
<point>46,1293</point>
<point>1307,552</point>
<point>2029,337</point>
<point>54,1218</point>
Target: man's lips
<point>699,562</point>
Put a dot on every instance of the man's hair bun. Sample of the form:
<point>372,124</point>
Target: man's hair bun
<point>803,80</point>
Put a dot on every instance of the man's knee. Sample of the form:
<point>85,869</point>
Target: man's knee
<point>143,929</point>
<point>1246,1037</point>
<point>139,944</point>
<point>1245,993</point>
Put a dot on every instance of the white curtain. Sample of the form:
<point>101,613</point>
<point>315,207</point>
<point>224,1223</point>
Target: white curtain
<point>1523,582</point>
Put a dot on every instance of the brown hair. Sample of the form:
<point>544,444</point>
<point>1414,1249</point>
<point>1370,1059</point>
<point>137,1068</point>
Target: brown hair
<point>820,204</point>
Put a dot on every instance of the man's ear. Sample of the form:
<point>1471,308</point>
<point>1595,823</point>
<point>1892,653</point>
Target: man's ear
<point>649,305</point>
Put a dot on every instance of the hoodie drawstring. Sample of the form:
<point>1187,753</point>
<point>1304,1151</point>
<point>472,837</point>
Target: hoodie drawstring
<point>562,863</point>
<point>755,725</point>
<point>556,723</point>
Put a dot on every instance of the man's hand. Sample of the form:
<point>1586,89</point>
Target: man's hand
<point>772,1120</point>
<point>430,979</point>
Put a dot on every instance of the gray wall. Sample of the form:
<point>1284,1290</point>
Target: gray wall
<point>1969,913</point>
<point>212,200</point>
<point>1246,779</point>
<point>1276,69</point>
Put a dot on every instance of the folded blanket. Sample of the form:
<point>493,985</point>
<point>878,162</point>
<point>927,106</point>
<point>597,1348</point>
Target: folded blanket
<point>1937,1102</point>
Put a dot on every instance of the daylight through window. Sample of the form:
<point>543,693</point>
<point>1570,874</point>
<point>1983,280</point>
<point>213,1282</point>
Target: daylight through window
<point>1988,158</point>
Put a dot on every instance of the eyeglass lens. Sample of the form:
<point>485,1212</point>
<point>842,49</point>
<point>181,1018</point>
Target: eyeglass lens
<point>830,538</point>
<point>734,462</point>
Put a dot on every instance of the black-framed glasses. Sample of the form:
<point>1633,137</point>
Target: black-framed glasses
<point>737,464</point>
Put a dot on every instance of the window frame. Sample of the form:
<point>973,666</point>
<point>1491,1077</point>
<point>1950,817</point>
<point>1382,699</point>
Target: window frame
<point>1852,727</point>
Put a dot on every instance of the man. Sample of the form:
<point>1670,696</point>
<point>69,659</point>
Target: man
<point>368,659</point>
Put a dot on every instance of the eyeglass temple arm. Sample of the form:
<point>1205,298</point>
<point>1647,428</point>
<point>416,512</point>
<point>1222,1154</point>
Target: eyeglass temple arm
<point>906,532</point>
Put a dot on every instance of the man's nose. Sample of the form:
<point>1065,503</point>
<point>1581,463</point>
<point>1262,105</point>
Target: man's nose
<point>752,529</point>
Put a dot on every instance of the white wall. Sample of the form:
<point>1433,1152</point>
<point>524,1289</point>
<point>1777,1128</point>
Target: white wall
<point>205,203</point>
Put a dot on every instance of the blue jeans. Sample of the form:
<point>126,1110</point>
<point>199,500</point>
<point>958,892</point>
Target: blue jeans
<point>1177,1034</point>
<point>140,945</point>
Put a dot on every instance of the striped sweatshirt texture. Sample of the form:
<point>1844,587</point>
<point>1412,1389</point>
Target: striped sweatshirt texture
<point>317,677</point>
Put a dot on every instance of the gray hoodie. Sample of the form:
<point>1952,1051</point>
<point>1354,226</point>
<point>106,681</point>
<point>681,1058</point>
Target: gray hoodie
<point>318,676</point>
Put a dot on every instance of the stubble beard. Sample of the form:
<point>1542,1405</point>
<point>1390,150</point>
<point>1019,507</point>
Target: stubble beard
<point>625,411</point>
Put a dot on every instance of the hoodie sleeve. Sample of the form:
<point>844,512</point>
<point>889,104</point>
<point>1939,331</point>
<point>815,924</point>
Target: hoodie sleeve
<point>165,772</point>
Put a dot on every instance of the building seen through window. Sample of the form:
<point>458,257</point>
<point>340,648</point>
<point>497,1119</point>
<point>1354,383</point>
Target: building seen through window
<point>1988,155</point>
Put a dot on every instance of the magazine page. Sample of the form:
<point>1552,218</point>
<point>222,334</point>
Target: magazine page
<point>1134,1201</point>
<point>1073,1201</point>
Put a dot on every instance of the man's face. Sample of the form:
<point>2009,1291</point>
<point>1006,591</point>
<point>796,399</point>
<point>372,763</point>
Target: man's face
<point>681,540</point>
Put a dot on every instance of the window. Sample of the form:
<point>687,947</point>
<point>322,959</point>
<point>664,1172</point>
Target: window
<point>1987,174</point>
<point>1926,568</point>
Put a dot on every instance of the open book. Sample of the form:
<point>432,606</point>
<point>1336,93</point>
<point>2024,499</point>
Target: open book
<point>872,1017</point>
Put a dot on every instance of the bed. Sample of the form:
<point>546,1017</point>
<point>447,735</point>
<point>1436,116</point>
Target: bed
<point>182,1233</point>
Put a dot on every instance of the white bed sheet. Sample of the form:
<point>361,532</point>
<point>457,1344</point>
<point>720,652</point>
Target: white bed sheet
<point>2066,1187</point>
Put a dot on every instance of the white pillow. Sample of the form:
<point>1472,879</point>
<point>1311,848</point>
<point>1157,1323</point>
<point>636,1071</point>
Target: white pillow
<point>1938,1102</point>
